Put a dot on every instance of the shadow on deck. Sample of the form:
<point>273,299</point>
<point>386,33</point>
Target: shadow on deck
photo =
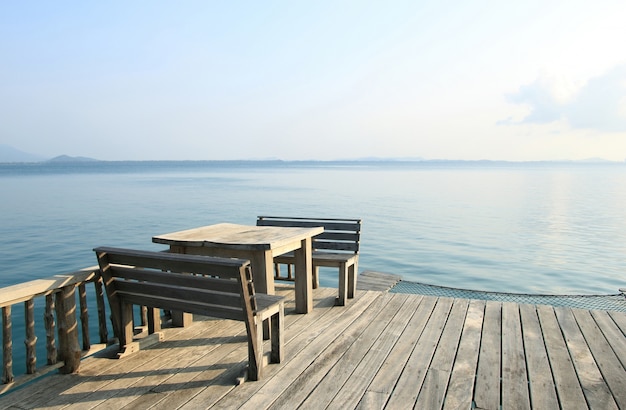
<point>381,350</point>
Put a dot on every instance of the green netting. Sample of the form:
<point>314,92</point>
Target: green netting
<point>616,302</point>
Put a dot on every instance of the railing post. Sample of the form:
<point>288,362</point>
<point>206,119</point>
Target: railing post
<point>31,338</point>
<point>7,346</point>
<point>84,316</point>
<point>50,325</point>
<point>102,320</point>
<point>69,350</point>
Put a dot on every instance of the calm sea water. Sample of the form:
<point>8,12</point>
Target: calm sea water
<point>539,228</point>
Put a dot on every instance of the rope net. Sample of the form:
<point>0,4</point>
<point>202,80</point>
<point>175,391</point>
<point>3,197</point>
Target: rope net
<point>616,302</point>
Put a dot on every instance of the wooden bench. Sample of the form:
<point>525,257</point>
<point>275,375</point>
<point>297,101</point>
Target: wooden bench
<point>337,246</point>
<point>209,286</point>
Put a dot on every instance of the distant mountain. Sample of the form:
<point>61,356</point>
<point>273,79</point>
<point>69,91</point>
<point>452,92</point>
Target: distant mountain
<point>67,158</point>
<point>10,154</point>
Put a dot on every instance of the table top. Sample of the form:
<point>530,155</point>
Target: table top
<point>234,236</point>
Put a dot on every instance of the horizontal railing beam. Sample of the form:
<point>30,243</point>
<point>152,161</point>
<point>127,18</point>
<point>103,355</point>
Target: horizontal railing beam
<point>22,292</point>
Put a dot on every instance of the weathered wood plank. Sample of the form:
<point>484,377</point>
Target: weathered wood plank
<point>352,391</point>
<point>299,335</point>
<point>594,387</point>
<point>620,320</point>
<point>208,375</point>
<point>412,377</point>
<point>156,378</point>
<point>542,389</point>
<point>487,390</point>
<point>565,379</point>
<point>103,378</point>
<point>332,372</point>
<point>613,334</point>
<point>298,328</point>
<point>604,356</point>
<point>514,377</point>
<point>461,385</point>
<point>379,390</point>
<point>21,292</point>
<point>376,281</point>
<point>211,384</point>
<point>435,385</point>
<point>328,341</point>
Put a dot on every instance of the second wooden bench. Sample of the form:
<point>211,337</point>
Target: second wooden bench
<point>217,287</point>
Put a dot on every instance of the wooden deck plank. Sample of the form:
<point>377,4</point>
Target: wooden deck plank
<point>379,351</point>
<point>339,331</point>
<point>335,379</point>
<point>163,371</point>
<point>435,384</point>
<point>157,389</point>
<point>461,386</point>
<point>412,377</point>
<point>215,392</point>
<point>620,320</point>
<point>613,334</point>
<point>594,386</point>
<point>604,356</point>
<point>541,384</point>
<point>514,378</point>
<point>342,349</point>
<point>381,387</point>
<point>315,335</point>
<point>352,391</point>
<point>487,389</point>
<point>213,384</point>
<point>377,281</point>
<point>566,381</point>
<point>127,388</point>
<point>87,387</point>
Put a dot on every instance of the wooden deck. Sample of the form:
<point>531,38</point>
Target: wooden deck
<point>382,350</point>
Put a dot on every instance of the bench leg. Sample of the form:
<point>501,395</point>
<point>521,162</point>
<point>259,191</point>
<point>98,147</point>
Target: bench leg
<point>127,346</point>
<point>277,334</point>
<point>255,357</point>
<point>352,280</point>
<point>343,284</point>
<point>154,320</point>
<point>127,330</point>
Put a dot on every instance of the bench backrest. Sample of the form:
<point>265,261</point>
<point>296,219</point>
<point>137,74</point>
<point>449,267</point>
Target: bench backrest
<point>341,235</point>
<point>219,287</point>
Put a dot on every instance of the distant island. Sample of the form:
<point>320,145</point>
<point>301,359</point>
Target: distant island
<point>67,158</point>
<point>9,154</point>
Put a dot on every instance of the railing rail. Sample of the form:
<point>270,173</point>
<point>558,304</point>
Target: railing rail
<point>60,313</point>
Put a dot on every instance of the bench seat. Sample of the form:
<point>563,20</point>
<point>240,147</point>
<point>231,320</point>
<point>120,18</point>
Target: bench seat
<point>336,247</point>
<point>209,286</point>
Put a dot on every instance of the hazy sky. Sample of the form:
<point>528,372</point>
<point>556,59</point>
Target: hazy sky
<point>510,80</point>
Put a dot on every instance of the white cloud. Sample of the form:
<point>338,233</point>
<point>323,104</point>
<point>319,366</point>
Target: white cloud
<point>598,105</point>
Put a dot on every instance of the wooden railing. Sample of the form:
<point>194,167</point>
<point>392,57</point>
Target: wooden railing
<point>63,347</point>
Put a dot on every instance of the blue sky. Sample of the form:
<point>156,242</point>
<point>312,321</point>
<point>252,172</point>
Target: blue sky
<point>531,80</point>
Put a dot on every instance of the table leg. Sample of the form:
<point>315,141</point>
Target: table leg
<point>262,264</point>
<point>304,277</point>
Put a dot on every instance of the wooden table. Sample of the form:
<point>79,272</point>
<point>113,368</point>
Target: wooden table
<point>259,244</point>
